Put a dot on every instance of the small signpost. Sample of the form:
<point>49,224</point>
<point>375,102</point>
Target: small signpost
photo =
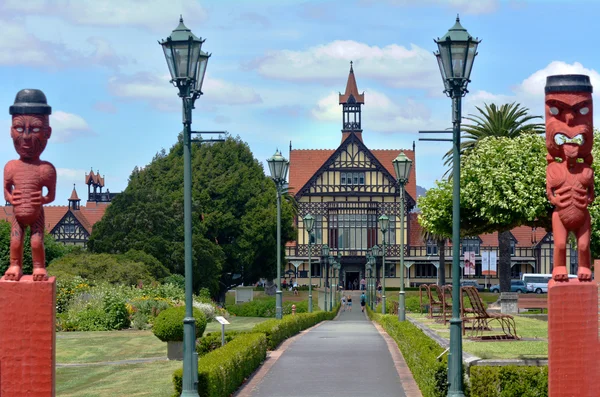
<point>222,320</point>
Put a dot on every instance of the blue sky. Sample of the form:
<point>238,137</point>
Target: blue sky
<point>276,69</point>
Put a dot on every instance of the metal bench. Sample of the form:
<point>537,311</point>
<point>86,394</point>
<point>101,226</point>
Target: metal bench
<point>481,319</point>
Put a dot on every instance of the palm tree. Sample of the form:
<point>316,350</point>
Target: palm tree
<point>509,120</point>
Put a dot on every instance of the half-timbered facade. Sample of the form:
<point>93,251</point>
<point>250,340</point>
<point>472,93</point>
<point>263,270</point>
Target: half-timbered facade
<point>346,190</point>
<point>72,224</point>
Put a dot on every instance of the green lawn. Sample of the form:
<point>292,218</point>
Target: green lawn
<point>147,379</point>
<point>534,331</point>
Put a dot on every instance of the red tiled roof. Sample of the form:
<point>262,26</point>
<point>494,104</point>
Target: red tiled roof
<point>74,196</point>
<point>385,157</point>
<point>87,216</point>
<point>306,162</point>
<point>95,179</point>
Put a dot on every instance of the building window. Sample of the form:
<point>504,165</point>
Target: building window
<point>425,270</point>
<point>316,269</point>
<point>351,231</point>
<point>352,178</point>
<point>390,270</point>
<point>513,244</point>
<point>69,228</point>
<point>432,247</point>
<point>317,233</point>
<point>470,244</point>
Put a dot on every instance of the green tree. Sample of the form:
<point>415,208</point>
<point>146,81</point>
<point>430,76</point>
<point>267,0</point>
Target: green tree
<point>114,269</point>
<point>53,249</point>
<point>509,120</point>
<point>503,185</point>
<point>234,216</point>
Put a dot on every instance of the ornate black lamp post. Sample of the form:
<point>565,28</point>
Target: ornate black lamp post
<point>309,222</point>
<point>278,166</point>
<point>325,256</point>
<point>402,166</point>
<point>457,50</point>
<point>187,65</point>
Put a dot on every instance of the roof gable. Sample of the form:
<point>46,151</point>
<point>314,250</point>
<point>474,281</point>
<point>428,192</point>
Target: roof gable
<point>306,166</point>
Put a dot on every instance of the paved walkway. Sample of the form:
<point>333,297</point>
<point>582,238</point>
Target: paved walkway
<point>346,357</point>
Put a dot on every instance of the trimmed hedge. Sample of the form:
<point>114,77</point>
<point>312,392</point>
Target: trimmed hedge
<point>168,325</point>
<point>279,330</point>
<point>212,341</point>
<point>509,381</point>
<point>265,308</point>
<point>222,371</point>
<point>420,353</point>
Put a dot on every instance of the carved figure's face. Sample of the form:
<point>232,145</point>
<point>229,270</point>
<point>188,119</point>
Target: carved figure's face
<point>569,124</point>
<point>30,133</point>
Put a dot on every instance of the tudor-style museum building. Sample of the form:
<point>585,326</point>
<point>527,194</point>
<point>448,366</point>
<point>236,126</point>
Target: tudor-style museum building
<point>346,190</point>
<point>72,224</point>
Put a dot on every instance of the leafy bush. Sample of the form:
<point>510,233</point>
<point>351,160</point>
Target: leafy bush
<point>168,326</point>
<point>222,371</point>
<point>265,308</point>
<point>66,289</point>
<point>139,321</point>
<point>154,267</point>
<point>114,269</point>
<point>509,381</point>
<point>213,340</point>
<point>150,307</point>
<point>207,308</point>
<point>175,279</point>
<point>95,311</point>
<point>279,330</point>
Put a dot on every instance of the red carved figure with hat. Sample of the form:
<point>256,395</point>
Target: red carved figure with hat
<point>569,176</point>
<point>26,178</point>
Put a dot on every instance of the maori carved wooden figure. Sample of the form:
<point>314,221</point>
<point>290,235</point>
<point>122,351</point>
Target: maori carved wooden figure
<point>25,180</point>
<point>569,176</point>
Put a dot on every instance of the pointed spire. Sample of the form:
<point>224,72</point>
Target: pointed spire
<point>74,196</point>
<point>352,89</point>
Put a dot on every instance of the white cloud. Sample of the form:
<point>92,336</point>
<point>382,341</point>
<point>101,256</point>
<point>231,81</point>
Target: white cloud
<point>382,114</point>
<point>65,179</point>
<point>19,47</point>
<point>474,7</point>
<point>68,126</point>
<point>394,65</point>
<point>150,14</point>
<point>530,92</point>
<point>105,107</point>
<point>157,90</point>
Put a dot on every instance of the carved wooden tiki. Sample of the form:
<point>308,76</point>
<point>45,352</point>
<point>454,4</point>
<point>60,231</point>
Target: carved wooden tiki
<point>25,179</point>
<point>569,176</point>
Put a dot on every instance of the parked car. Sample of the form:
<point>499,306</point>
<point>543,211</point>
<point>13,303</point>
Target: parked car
<point>515,286</point>
<point>472,283</point>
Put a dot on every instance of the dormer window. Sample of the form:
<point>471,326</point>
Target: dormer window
<point>471,244</point>
<point>352,178</point>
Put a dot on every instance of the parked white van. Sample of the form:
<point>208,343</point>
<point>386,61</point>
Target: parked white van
<point>537,282</point>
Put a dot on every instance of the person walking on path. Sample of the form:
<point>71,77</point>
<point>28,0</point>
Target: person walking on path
<point>363,283</point>
<point>363,302</point>
<point>349,304</point>
<point>355,284</point>
<point>343,303</point>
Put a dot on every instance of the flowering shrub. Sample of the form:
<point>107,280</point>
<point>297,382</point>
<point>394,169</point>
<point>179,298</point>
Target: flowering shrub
<point>66,289</point>
<point>206,308</point>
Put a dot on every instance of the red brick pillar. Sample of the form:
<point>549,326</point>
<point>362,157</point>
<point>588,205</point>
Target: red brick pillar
<point>573,346</point>
<point>27,337</point>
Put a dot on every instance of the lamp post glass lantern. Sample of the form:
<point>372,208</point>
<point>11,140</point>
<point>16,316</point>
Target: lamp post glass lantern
<point>187,65</point>
<point>402,165</point>
<point>309,222</point>
<point>456,52</point>
<point>278,166</point>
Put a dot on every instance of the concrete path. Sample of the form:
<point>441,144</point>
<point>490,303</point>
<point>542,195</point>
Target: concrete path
<point>346,357</point>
